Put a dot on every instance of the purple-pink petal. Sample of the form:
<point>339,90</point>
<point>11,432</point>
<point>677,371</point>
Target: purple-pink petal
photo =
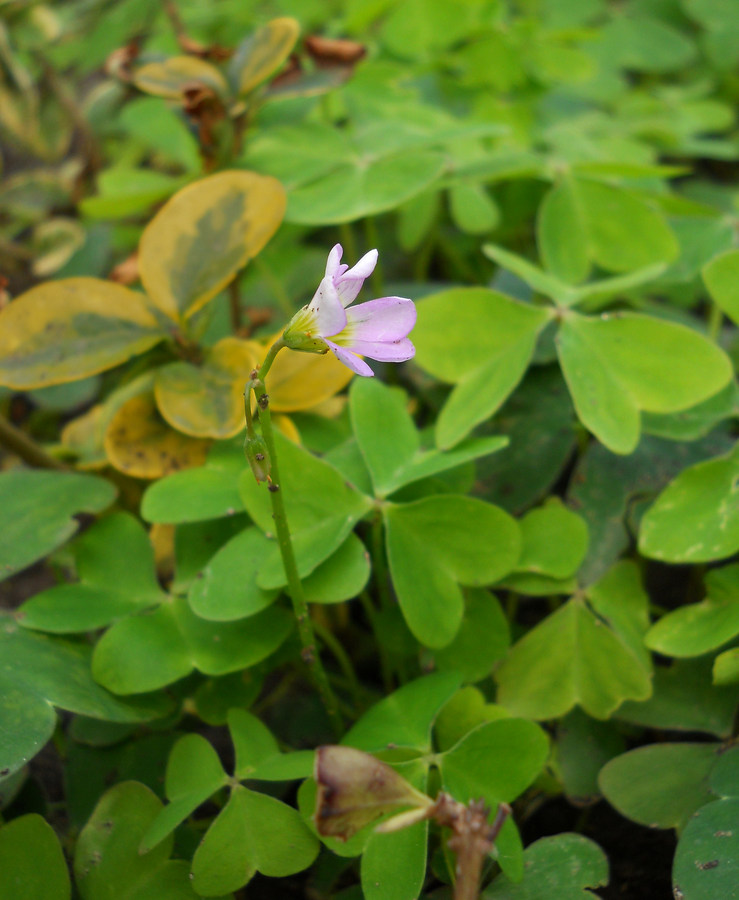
<point>385,319</point>
<point>350,359</point>
<point>385,351</point>
<point>333,263</point>
<point>330,314</point>
<point>349,283</point>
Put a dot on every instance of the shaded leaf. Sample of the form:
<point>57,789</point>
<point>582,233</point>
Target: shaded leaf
<point>61,495</point>
<point>252,833</point>
<point>107,860</point>
<point>68,329</point>
<point>32,861</point>
<point>435,545</point>
<point>566,865</point>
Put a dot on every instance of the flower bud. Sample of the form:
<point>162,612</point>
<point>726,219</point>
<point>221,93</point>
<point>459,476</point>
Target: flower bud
<point>257,455</point>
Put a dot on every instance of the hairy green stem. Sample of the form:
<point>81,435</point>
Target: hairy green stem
<point>22,445</point>
<point>295,586</point>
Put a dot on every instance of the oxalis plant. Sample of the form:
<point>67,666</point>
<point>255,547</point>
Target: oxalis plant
<point>499,575</point>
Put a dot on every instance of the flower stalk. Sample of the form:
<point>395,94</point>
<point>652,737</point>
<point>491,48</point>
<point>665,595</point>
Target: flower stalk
<point>309,651</point>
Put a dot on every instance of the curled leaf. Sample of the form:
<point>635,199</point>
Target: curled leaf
<point>355,788</point>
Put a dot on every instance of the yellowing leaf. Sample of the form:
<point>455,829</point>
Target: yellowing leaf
<point>68,329</point>
<point>85,435</point>
<point>202,236</point>
<point>300,381</point>
<point>260,54</point>
<point>139,442</point>
<point>168,78</point>
<point>207,400</point>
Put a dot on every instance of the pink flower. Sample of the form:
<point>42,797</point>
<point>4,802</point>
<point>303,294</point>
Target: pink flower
<point>378,329</point>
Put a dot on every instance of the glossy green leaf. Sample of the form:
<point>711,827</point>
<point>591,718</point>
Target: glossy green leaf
<point>589,653</point>
<point>253,741</point>
<point>660,785</point>
<point>696,422</point>
<point>342,576</point>
<point>193,774</point>
<point>726,667</point>
<point>68,329</point>
<point>38,673</point>
<point>404,718</point>
<point>604,487</point>
<point>260,54</point>
<point>685,699</point>
<point>226,588</point>
<point>705,863</point>
<point>125,191</point>
<point>394,865</point>
<point>252,833</point>
<point>585,222</point>
<point>698,628</point>
<point>391,445</point>
<point>24,493</point>
<point>481,341</point>
<point>107,861</point>
<point>206,492</point>
<point>472,208</point>
<point>117,575</point>
<point>199,239</point>
<point>362,189</point>
<point>696,517</point>
<point>482,639</point>
<point>645,42</point>
<point>620,364</point>
<point>565,865</point>
<point>146,652</point>
<point>438,543</point>
<point>554,540</point>
<point>496,761</point>
<point>721,276</point>
<point>32,861</point>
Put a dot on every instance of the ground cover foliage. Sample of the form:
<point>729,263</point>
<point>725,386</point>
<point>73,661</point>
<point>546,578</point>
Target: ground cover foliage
<point>517,548</point>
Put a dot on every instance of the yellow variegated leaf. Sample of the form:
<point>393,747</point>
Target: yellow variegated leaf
<point>161,536</point>
<point>262,53</point>
<point>202,236</point>
<point>84,436</point>
<point>300,381</point>
<point>68,329</point>
<point>286,425</point>
<point>169,77</point>
<point>207,400</point>
<point>141,444</point>
<point>54,241</point>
